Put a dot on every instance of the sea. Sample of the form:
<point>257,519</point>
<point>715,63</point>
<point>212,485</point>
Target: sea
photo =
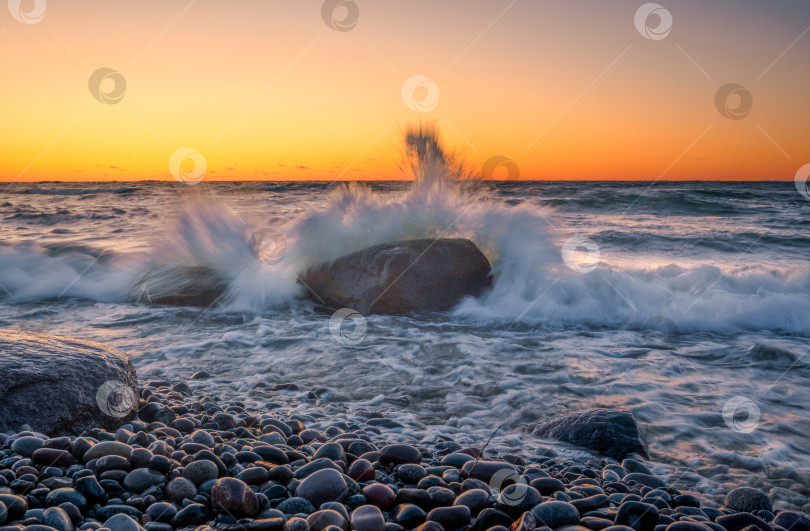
<point>686,303</point>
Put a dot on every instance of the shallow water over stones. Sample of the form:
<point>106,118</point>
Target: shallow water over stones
<point>431,485</point>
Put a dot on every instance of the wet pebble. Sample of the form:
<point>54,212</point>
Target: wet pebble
<point>234,497</point>
<point>107,448</point>
<point>361,470</point>
<point>191,515</point>
<point>57,518</point>
<point>180,489</point>
<point>122,522</point>
<point>380,495</point>
<point>410,473</point>
<point>321,520</point>
<point>639,516</point>
<point>450,517</point>
<point>198,472</point>
<point>747,499</point>
<point>190,461</point>
<point>367,518</point>
<point>400,454</point>
<point>476,500</point>
<point>409,515</point>
<point>27,445</point>
<point>322,486</point>
<point>141,479</point>
<point>525,522</point>
<point>555,514</point>
<point>296,505</point>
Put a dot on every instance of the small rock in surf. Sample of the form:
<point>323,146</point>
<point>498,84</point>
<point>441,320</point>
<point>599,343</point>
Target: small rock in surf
<point>611,432</point>
<point>179,286</point>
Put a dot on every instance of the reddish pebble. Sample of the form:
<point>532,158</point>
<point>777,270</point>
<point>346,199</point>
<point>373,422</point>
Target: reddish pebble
<point>380,495</point>
<point>361,470</point>
<point>525,523</point>
<point>53,457</point>
<point>473,452</point>
<point>233,496</point>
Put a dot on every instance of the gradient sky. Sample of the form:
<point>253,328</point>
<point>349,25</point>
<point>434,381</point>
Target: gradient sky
<point>265,89</point>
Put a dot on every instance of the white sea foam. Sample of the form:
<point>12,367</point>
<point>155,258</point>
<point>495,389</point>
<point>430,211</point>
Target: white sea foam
<point>532,283</point>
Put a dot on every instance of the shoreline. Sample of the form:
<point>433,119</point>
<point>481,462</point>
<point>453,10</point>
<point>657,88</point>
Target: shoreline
<point>168,469</point>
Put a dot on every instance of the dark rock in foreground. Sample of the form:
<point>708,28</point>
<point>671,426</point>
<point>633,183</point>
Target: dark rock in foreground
<point>179,286</point>
<point>57,385</point>
<point>614,433</point>
<point>401,277</point>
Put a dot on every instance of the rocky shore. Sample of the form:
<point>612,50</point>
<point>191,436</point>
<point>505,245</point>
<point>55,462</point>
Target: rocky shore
<point>186,460</point>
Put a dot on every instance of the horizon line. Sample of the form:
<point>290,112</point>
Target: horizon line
<point>394,180</point>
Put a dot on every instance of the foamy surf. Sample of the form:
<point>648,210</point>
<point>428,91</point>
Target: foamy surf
<point>536,283</point>
<point>673,326</point>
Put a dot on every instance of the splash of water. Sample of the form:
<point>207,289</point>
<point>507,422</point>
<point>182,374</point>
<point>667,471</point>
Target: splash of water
<point>532,283</point>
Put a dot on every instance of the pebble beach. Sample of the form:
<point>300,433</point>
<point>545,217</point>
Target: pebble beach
<point>347,265</point>
<point>188,460</point>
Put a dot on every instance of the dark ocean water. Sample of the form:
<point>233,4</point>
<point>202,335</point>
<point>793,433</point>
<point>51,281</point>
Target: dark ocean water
<point>686,303</point>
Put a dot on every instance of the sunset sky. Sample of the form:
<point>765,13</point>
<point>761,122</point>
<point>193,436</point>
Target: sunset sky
<point>266,89</point>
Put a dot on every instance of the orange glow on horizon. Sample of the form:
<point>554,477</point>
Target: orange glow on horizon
<point>268,91</point>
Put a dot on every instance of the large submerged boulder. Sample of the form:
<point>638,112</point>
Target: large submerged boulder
<point>56,385</point>
<point>613,433</point>
<point>177,285</point>
<point>401,277</point>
